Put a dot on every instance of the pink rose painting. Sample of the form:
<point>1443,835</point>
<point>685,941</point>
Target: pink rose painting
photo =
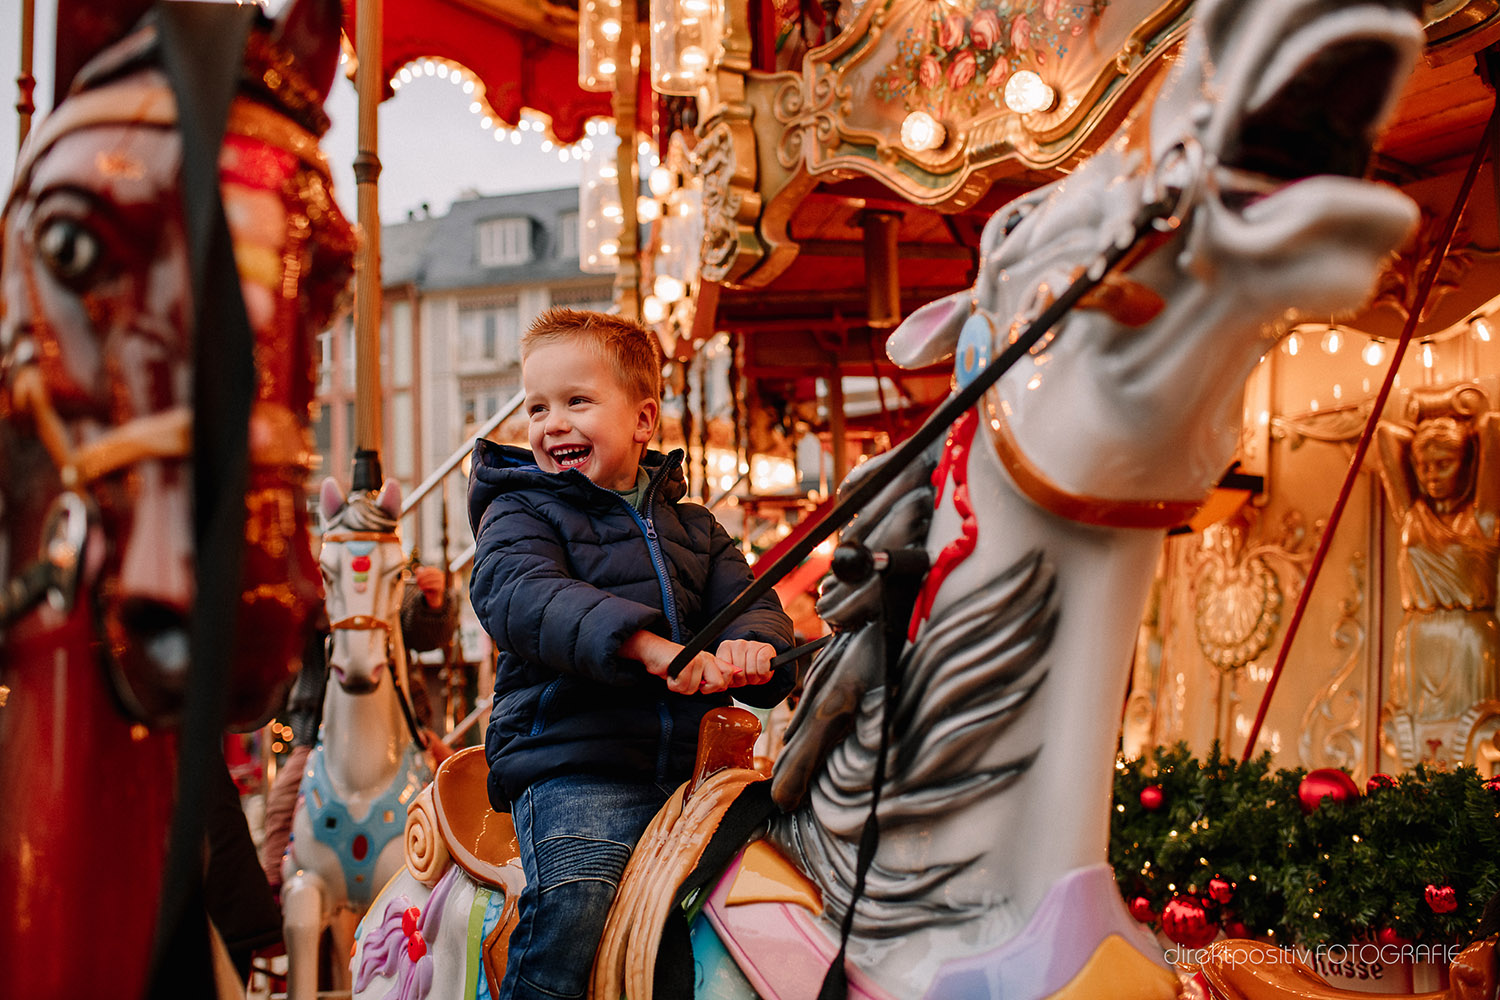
<point>1020,34</point>
<point>929,72</point>
<point>960,62</point>
<point>984,30</point>
<point>961,70</point>
<point>951,31</point>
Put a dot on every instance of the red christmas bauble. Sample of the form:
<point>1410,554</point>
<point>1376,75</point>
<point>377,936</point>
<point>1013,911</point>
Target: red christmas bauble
<point>1222,890</point>
<point>1236,929</point>
<point>1379,781</point>
<point>1492,785</point>
<point>1152,798</point>
<point>1140,908</point>
<point>1389,937</point>
<point>1326,783</point>
<point>1186,922</point>
<point>1441,898</point>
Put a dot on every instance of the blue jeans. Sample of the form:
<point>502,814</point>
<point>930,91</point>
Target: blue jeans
<point>575,834</point>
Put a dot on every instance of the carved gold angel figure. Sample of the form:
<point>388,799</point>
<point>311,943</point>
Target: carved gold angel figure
<point>1442,481</point>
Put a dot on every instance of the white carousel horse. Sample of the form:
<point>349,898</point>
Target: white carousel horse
<point>991,876</point>
<point>365,770</point>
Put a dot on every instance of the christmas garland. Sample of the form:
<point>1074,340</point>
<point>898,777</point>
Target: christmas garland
<point>1303,857</point>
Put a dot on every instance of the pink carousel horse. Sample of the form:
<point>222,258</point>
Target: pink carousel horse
<point>1041,518</point>
<point>103,270</point>
<point>366,768</point>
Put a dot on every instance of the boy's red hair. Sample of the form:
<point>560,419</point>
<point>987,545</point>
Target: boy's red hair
<point>630,348</point>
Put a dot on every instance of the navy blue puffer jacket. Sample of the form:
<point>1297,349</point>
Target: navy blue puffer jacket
<point>564,572</point>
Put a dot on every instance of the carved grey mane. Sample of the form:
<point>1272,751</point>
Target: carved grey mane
<point>965,680</point>
<point>362,512</point>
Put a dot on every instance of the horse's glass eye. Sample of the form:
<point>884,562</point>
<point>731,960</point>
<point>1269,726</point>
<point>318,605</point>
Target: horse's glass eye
<point>70,249</point>
<point>1014,219</point>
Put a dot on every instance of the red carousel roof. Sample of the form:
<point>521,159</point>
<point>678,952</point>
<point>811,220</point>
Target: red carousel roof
<point>524,51</point>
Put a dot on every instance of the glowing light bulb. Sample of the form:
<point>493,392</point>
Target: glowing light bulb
<point>1333,340</point>
<point>668,288</point>
<point>920,131</point>
<point>610,29</point>
<point>647,209</point>
<point>653,309</point>
<point>1373,353</point>
<point>606,67</point>
<point>1427,357</point>
<point>1026,93</point>
<point>660,182</point>
<point>1482,329</point>
<point>1293,345</point>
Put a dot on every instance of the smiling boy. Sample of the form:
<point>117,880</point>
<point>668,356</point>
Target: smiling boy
<point>589,573</point>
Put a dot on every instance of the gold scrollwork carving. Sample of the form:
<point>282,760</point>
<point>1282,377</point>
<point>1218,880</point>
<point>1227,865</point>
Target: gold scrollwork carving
<point>1330,726</point>
<point>1237,589</point>
<point>725,159</point>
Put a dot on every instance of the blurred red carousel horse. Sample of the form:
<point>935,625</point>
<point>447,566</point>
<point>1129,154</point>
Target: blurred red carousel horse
<point>113,485</point>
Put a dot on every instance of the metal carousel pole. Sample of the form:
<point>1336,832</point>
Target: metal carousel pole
<point>370,86</point>
<point>25,81</point>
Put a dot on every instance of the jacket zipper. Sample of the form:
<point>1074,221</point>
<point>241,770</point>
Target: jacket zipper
<point>658,562</point>
<point>669,605</point>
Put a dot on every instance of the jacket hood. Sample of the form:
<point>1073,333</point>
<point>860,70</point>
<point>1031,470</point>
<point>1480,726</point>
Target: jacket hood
<point>498,469</point>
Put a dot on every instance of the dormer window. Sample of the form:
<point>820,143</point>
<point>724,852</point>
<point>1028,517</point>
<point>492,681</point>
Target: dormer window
<point>504,242</point>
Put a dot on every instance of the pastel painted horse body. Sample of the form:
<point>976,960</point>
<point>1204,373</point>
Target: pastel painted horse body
<point>1053,495</point>
<point>97,422</point>
<point>365,770</point>
<point>1042,526</point>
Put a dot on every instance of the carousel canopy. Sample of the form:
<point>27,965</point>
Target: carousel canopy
<point>525,52</point>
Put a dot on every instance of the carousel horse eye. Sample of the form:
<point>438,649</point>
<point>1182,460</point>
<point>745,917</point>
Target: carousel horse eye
<point>70,249</point>
<point>1014,219</point>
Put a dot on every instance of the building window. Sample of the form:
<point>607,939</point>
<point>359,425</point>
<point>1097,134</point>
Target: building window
<point>489,333</point>
<point>503,242</point>
<point>568,243</point>
<point>598,299</point>
<point>325,362</point>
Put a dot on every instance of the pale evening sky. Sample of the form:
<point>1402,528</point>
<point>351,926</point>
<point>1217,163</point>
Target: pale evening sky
<point>431,145</point>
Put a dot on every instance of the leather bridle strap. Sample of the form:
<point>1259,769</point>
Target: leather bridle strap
<point>202,49</point>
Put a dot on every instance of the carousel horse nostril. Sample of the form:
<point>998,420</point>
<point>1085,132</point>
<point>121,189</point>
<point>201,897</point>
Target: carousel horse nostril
<point>161,633</point>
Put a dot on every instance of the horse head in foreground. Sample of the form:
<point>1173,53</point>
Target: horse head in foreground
<point>97,453</point>
<point>1041,519</point>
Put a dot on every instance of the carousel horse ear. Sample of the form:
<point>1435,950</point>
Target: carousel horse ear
<point>389,499</point>
<point>86,28</point>
<point>309,30</point>
<point>930,334</point>
<point>330,498</point>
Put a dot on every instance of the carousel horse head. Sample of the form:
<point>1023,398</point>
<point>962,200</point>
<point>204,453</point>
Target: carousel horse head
<point>98,346</point>
<point>1052,495</point>
<point>363,573</point>
<point>1261,133</point>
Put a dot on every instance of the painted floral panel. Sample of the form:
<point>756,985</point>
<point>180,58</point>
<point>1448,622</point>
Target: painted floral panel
<point>955,60</point>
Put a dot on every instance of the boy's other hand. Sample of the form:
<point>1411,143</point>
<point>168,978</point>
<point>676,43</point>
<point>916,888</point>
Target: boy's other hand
<point>749,661</point>
<point>429,579</point>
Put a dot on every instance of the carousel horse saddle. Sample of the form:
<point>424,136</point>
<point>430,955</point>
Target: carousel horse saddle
<point>480,840</point>
<point>1251,970</point>
<point>678,853</point>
